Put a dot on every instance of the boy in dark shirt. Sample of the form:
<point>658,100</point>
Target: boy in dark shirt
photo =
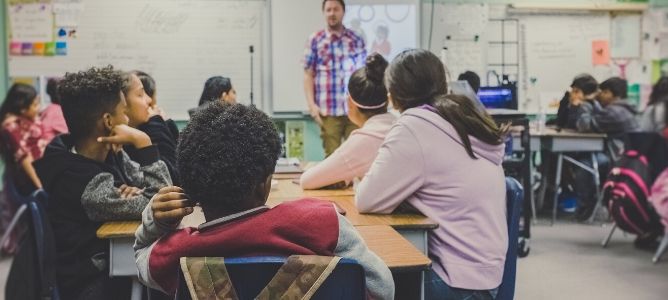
<point>91,180</point>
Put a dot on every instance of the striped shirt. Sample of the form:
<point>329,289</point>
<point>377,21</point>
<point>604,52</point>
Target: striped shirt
<point>333,59</point>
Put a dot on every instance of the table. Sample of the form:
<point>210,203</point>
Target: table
<point>287,188</point>
<point>568,141</point>
<point>413,227</point>
<point>399,255</point>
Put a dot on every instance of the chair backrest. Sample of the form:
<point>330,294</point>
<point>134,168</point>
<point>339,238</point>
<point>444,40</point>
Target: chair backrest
<point>249,275</point>
<point>514,197</point>
<point>653,146</point>
<point>44,245</point>
<point>33,271</point>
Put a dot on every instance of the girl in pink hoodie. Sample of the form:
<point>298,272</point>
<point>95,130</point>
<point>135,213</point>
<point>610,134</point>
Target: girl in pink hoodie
<point>367,102</point>
<point>443,157</point>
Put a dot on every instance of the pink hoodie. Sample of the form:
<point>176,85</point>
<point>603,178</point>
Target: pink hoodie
<point>53,121</point>
<point>424,163</point>
<point>354,157</point>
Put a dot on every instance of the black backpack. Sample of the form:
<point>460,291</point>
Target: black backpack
<point>625,195</point>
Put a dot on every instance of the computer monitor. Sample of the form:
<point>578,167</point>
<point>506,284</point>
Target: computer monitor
<point>504,96</point>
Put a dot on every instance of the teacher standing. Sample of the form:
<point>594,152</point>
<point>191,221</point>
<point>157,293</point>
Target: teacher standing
<point>331,56</point>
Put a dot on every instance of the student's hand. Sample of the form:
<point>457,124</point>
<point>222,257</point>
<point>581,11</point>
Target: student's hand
<point>315,114</point>
<point>126,135</point>
<point>156,111</point>
<point>574,101</point>
<point>129,191</point>
<point>170,205</point>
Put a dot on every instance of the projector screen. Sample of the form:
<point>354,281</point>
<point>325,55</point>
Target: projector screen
<point>386,28</point>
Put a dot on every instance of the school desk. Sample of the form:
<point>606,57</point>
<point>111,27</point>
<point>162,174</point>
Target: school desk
<point>562,142</point>
<point>289,188</point>
<point>413,227</point>
<point>400,256</point>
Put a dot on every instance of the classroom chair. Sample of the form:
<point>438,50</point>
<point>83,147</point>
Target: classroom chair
<point>35,261</point>
<point>662,249</point>
<point>514,198</point>
<point>17,199</point>
<point>249,275</point>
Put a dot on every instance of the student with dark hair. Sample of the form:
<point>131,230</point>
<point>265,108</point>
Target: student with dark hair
<point>611,114</point>
<point>583,92</point>
<point>443,157</point>
<point>367,103</point>
<point>655,115</point>
<point>22,136</point>
<point>91,180</point>
<point>472,78</point>
<point>227,155</point>
<point>145,115</point>
<point>52,117</point>
<point>216,88</point>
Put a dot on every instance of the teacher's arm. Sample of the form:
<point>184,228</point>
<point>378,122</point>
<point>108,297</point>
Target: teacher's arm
<point>309,90</point>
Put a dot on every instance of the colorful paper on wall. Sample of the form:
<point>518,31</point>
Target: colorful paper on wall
<point>50,49</point>
<point>600,52</point>
<point>38,49</point>
<point>15,48</point>
<point>26,49</point>
<point>61,48</point>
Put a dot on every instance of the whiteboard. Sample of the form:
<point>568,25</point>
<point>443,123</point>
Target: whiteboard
<point>556,48</point>
<point>293,21</point>
<point>179,42</point>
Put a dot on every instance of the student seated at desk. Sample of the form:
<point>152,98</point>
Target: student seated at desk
<point>367,102</point>
<point>52,117</point>
<point>144,114</point>
<point>583,92</point>
<point>443,157</point>
<point>91,180</point>
<point>611,114</point>
<point>655,114</point>
<point>226,158</point>
<point>216,88</point>
<point>22,136</point>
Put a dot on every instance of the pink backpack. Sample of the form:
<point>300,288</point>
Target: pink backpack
<point>659,196</point>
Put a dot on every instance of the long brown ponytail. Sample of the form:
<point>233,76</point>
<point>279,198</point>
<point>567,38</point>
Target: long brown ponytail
<point>417,77</point>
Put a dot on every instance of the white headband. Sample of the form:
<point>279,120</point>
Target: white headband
<point>368,107</point>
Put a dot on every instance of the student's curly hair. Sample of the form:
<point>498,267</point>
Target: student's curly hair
<point>86,96</point>
<point>225,152</point>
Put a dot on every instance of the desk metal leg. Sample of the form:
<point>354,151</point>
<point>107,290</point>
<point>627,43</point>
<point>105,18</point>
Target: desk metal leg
<point>597,182</point>
<point>530,189</point>
<point>137,289</point>
<point>557,186</point>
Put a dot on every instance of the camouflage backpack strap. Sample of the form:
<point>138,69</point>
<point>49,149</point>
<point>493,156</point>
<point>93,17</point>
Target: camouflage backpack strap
<point>300,277</point>
<point>207,278</point>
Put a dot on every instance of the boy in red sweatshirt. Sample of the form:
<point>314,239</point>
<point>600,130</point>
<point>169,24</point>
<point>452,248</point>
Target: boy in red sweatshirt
<point>226,157</point>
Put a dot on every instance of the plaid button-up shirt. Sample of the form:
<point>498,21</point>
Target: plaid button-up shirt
<point>333,59</point>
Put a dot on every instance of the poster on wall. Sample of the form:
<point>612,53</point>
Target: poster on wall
<point>31,22</point>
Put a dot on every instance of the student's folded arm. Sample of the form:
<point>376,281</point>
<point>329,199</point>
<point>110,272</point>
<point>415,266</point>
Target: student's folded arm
<point>394,176</point>
<point>148,171</point>
<point>332,170</point>
<point>145,238</point>
<point>379,283</point>
<point>585,117</point>
<point>102,201</point>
